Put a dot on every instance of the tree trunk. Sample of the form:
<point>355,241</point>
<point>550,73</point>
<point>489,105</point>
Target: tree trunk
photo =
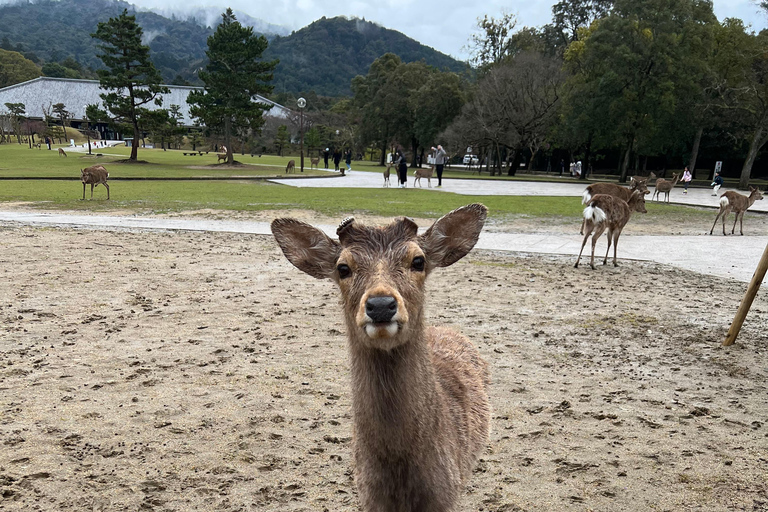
<point>587,156</point>
<point>414,148</point>
<point>758,141</point>
<point>135,145</point>
<point>63,127</point>
<point>383,152</point>
<point>695,151</point>
<point>515,162</point>
<point>228,139</point>
<point>625,163</point>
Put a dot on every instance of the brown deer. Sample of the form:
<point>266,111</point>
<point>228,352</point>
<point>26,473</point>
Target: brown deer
<point>386,173</point>
<point>421,414</point>
<point>423,173</point>
<point>737,203</point>
<point>314,162</point>
<point>643,179</point>
<point>612,189</point>
<point>94,176</point>
<point>290,167</point>
<point>62,153</point>
<point>220,157</point>
<point>665,186</point>
<point>605,212</point>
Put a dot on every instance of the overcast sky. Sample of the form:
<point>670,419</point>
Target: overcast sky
<point>445,25</point>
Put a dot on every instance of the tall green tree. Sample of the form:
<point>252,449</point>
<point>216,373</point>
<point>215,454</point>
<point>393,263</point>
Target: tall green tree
<point>14,68</point>
<point>16,113</point>
<point>61,110</point>
<point>235,73</point>
<point>129,69</point>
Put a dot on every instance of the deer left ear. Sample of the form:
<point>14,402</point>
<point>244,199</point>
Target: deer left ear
<point>452,236</point>
<point>308,248</point>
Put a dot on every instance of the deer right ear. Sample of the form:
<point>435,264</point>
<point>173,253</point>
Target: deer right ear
<point>309,249</point>
<point>452,236</point>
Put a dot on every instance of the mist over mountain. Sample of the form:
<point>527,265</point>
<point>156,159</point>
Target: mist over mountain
<point>322,57</point>
<point>208,16</point>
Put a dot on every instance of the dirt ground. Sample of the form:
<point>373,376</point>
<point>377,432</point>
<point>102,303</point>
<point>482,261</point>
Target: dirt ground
<point>176,371</point>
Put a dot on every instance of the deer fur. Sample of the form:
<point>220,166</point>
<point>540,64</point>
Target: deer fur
<point>386,173</point>
<point>94,176</point>
<point>291,166</point>
<point>424,173</point>
<point>62,152</point>
<point>737,203</point>
<point>612,189</point>
<point>314,162</point>
<point>665,186</point>
<point>421,414</point>
<point>606,212</point>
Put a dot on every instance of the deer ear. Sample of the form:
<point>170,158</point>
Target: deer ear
<point>309,249</point>
<point>452,236</point>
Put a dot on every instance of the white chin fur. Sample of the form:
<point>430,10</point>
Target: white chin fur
<point>388,330</point>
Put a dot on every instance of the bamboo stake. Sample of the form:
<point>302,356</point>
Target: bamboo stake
<point>746,303</point>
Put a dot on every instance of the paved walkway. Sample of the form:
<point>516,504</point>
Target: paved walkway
<point>734,257</point>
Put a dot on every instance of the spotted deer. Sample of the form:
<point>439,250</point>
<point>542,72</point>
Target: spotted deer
<point>605,212</point>
<point>423,173</point>
<point>737,203</point>
<point>94,176</point>
<point>420,406</point>
<point>612,189</point>
<point>665,186</point>
<point>291,166</point>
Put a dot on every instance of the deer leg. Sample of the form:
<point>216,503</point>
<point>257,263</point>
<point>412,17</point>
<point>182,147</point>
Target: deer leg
<point>583,222</point>
<point>615,246</point>
<point>583,243</point>
<point>595,236</point>
<point>741,223</point>
<point>609,235</point>
<point>107,187</point>
<point>733,229</point>
<point>715,224</point>
<point>92,190</point>
<point>83,191</point>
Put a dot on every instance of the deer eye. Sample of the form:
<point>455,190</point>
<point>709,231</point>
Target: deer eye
<point>344,271</point>
<point>418,264</point>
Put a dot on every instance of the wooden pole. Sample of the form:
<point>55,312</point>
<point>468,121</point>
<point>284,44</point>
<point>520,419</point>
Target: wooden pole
<point>746,302</point>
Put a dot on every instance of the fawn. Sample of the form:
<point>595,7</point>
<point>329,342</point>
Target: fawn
<point>314,162</point>
<point>423,173</point>
<point>291,166</point>
<point>94,176</point>
<point>386,173</point>
<point>605,212</point>
<point>737,203</point>
<point>421,414</point>
<point>220,157</point>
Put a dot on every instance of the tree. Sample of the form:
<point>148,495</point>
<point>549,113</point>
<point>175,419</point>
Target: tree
<point>16,112</point>
<point>61,110</point>
<point>14,68</point>
<point>130,69</point>
<point>234,74</point>
<point>493,41</point>
<point>281,139</point>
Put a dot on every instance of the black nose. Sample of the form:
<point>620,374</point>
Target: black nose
<point>381,309</point>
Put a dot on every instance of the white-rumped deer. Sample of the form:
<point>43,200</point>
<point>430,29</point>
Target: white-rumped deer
<point>420,405</point>
<point>94,176</point>
<point>665,186</point>
<point>737,203</point>
<point>612,189</point>
<point>423,173</point>
<point>609,213</point>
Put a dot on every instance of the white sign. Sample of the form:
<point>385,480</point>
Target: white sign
<point>718,166</point>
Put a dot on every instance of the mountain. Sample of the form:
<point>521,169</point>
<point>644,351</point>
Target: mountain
<point>324,56</point>
<point>211,16</point>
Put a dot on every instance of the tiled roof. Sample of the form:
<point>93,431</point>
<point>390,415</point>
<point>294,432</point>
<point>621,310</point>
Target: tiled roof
<point>76,94</point>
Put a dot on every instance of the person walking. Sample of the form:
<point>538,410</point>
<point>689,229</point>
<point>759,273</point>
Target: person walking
<point>686,179</point>
<point>440,157</point>
<point>717,183</point>
<point>337,159</point>
<point>402,168</point>
<point>348,159</point>
<point>326,154</point>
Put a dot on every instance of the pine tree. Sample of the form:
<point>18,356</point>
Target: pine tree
<point>129,68</point>
<point>233,75</point>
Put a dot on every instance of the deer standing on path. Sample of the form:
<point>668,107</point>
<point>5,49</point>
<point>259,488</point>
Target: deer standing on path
<point>665,186</point>
<point>386,173</point>
<point>609,213</point>
<point>61,152</point>
<point>423,173</point>
<point>314,162</point>
<point>612,189</point>
<point>737,203</point>
<point>419,394</point>
<point>94,176</point>
<point>291,166</point>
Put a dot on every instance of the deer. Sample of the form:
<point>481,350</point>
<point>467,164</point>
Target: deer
<point>643,179</point>
<point>94,176</point>
<point>606,212</point>
<point>62,153</point>
<point>611,189</point>
<point>424,173</point>
<point>291,166</point>
<point>387,172</point>
<point>737,203</point>
<point>314,162</point>
<point>665,186</point>
<point>420,408</point>
<point>220,157</point>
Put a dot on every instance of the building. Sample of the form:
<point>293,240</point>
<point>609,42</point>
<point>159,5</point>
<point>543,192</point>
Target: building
<point>41,93</point>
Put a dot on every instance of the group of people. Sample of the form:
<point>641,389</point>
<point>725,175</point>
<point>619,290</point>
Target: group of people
<point>438,156</point>
<point>336,155</point>
<point>688,177</point>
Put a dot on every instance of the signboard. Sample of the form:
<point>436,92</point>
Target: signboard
<point>718,166</point>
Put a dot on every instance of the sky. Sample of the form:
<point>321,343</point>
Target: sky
<point>445,25</point>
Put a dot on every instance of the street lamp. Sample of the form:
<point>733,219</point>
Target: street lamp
<point>301,102</point>
<point>87,127</point>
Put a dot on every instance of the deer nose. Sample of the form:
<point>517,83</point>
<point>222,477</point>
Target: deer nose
<point>381,309</point>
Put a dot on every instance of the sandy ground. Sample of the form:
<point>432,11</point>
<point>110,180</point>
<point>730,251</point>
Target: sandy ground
<point>185,371</point>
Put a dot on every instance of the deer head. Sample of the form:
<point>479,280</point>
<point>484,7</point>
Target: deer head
<point>381,272</point>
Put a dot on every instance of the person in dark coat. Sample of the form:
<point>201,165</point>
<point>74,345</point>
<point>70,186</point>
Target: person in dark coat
<point>326,154</point>
<point>402,168</point>
<point>337,159</point>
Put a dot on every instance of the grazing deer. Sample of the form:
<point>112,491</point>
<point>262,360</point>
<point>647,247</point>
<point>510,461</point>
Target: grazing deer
<point>220,157</point>
<point>421,414</point>
<point>612,189</point>
<point>291,166</point>
<point>605,212</point>
<point>386,173</point>
<point>61,152</point>
<point>94,175</point>
<point>665,186</point>
<point>424,173</point>
<point>737,203</point>
<point>314,162</point>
